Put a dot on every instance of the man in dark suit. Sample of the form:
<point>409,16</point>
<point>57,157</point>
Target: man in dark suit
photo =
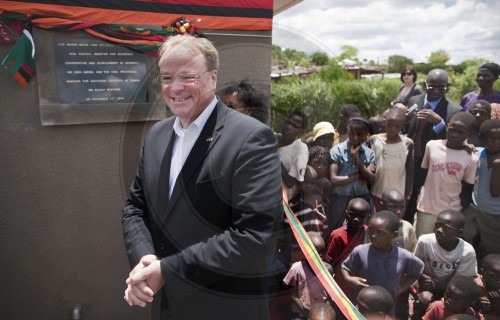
<point>428,123</point>
<point>200,221</point>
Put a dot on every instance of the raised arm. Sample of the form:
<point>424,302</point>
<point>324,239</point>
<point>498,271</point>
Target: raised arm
<point>337,180</point>
<point>367,173</point>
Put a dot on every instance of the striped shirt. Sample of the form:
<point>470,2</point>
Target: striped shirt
<point>312,219</point>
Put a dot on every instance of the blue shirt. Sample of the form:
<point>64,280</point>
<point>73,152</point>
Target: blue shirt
<point>341,155</point>
<point>440,126</point>
<point>481,196</point>
<point>383,269</point>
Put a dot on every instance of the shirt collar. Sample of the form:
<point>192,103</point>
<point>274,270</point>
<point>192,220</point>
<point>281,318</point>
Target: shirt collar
<point>433,104</point>
<point>482,154</point>
<point>198,123</point>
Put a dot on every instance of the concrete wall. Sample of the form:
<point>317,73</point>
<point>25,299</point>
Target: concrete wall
<point>61,196</point>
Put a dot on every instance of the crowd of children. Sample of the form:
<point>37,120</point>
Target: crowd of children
<point>350,188</point>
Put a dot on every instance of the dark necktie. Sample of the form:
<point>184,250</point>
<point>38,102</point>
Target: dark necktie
<point>417,141</point>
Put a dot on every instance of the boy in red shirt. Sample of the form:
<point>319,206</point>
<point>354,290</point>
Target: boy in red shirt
<point>344,239</point>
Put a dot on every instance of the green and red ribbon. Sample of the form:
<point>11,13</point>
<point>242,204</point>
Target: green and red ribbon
<point>316,263</point>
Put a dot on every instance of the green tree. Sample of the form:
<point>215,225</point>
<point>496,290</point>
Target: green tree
<point>462,83</point>
<point>439,57</point>
<point>319,58</point>
<point>277,53</point>
<point>462,66</point>
<point>293,58</point>
<point>348,52</point>
<point>424,68</point>
<point>397,63</point>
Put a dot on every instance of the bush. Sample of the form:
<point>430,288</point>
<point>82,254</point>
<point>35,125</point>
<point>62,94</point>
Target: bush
<point>323,94</point>
<point>460,84</point>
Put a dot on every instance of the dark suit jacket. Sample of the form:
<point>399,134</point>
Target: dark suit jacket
<point>446,109</point>
<point>216,234</point>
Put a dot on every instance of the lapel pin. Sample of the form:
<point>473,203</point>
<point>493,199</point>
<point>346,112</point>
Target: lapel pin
<point>210,139</point>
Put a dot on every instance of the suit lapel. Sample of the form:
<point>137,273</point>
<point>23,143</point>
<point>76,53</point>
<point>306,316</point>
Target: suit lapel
<point>164,176</point>
<point>208,138</point>
<point>157,174</point>
<point>414,119</point>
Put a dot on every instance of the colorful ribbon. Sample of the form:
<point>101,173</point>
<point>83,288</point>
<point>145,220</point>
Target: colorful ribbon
<point>312,256</point>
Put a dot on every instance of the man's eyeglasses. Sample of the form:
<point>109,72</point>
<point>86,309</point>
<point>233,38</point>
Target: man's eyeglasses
<point>168,79</point>
<point>440,88</point>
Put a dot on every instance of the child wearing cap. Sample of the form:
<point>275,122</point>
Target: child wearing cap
<point>323,134</point>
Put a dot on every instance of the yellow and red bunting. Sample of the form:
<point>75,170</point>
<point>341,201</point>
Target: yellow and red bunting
<point>312,256</point>
<point>214,14</point>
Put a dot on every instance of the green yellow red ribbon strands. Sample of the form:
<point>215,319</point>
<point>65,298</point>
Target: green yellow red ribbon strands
<point>312,256</point>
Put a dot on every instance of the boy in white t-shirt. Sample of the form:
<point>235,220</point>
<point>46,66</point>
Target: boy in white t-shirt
<point>451,170</point>
<point>292,151</point>
<point>394,157</point>
<point>444,254</point>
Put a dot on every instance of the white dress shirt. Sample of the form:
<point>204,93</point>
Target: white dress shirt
<point>184,142</point>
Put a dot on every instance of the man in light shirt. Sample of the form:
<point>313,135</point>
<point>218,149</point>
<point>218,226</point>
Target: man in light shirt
<point>199,223</point>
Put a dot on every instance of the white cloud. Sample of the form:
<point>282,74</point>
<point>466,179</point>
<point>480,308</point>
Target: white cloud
<point>466,29</point>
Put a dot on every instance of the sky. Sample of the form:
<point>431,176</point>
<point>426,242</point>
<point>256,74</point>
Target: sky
<point>465,29</point>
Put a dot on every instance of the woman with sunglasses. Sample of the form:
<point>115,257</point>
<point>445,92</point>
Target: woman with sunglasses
<point>409,88</point>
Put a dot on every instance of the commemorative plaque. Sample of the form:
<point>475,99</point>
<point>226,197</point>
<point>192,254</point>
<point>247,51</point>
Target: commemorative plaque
<point>82,79</point>
<point>90,71</point>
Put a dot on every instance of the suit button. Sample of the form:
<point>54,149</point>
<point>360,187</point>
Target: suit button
<point>162,246</point>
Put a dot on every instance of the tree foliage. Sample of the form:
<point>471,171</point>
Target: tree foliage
<point>277,53</point>
<point>294,58</point>
<point>439,57</point>
<point>319,58</point>
<point>290,57</point>
<point>462,66</point>
<point>397,63</point>
<point>333,73</point>
<point>348,52</point>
